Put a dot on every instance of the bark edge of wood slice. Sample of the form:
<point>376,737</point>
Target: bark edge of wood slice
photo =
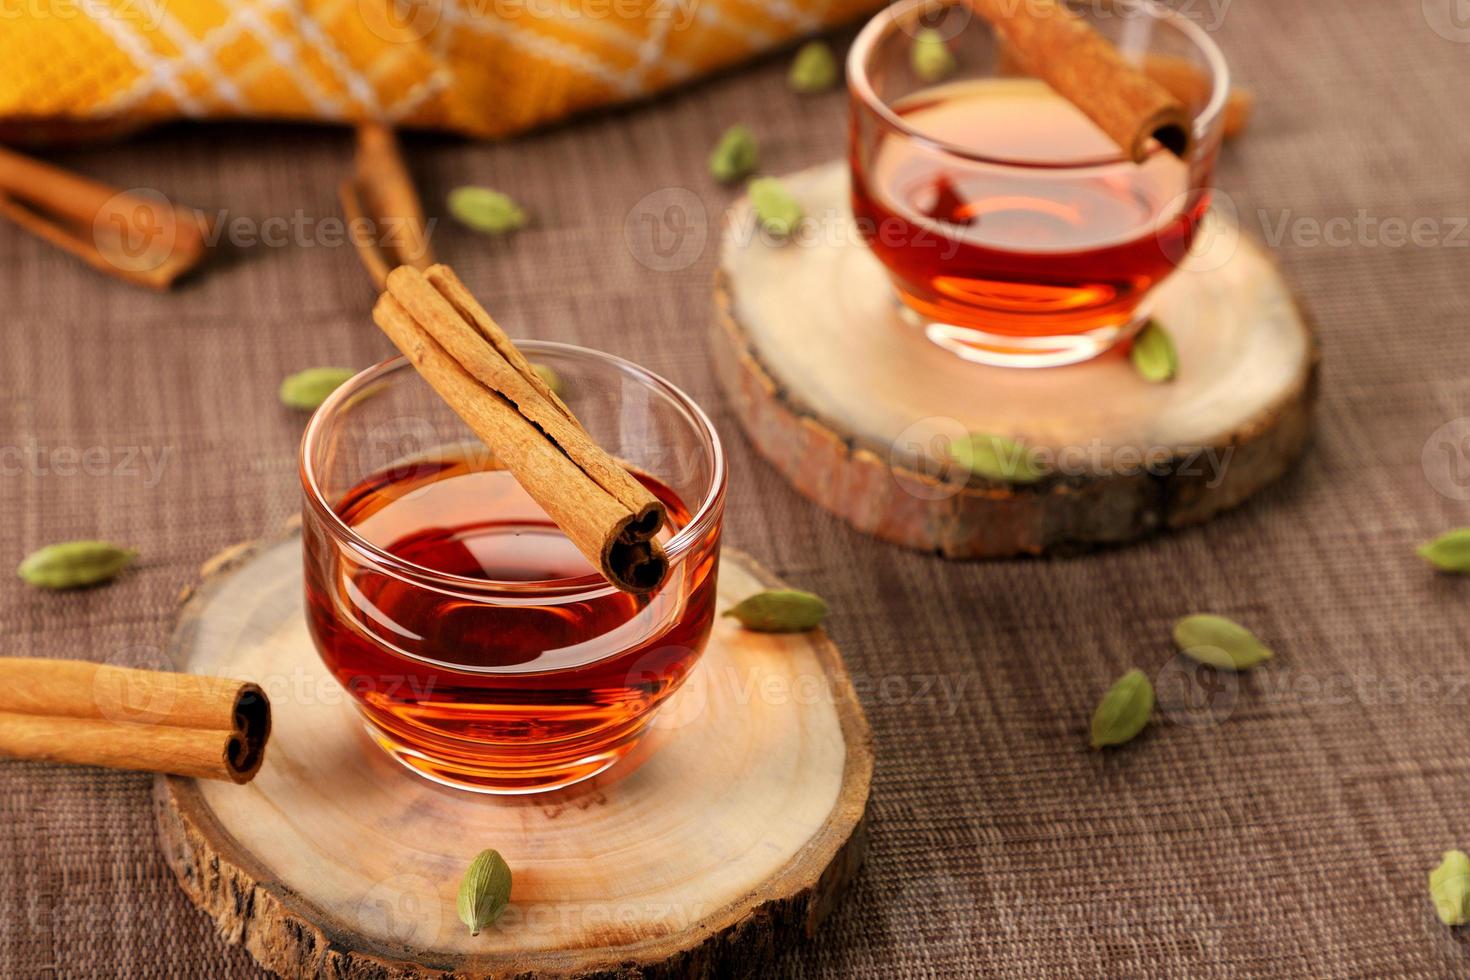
<point>841,395</point>
<point>269,863</point>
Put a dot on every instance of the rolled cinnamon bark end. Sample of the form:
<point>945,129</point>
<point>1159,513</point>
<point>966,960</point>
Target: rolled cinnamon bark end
<point>1087,70</point>
<point>245,751</point>
<point>635,566</point>
<point>119,718</point>
<point>635,561</point>
<point>647,519</point>
<point>1170,126</point>
<point>1191,85</point>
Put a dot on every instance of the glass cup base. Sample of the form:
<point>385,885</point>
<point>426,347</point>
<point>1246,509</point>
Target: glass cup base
<point>999,350</point>
<point>488,778</point>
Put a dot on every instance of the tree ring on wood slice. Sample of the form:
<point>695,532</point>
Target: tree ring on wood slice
<point>729,835</point>
<point>856,408</point>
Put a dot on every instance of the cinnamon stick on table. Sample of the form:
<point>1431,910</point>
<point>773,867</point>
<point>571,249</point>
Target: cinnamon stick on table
<point>465,356</point>
<point>381,205</point>
<point>99,715</point>
<point>142,239</point>
<point>1087,70</point>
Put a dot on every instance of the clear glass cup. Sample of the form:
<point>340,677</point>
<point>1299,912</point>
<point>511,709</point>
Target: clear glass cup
<point>534,679</point>
<point>1013,230</point>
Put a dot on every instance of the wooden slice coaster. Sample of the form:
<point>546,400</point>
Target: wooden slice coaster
<point>731,833</point>
<point>857,409</point>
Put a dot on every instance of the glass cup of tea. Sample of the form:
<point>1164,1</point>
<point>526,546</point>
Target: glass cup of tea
<point>482,650</point>
<point>1015,232</point>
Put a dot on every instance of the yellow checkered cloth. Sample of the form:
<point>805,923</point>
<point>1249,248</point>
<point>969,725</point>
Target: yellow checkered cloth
<point>482,67</point>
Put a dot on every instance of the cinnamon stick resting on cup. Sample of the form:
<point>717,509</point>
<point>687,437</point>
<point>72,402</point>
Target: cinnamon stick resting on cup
<point>99,715</point>
<point>465,357</point>
<point>1087,70</point>
<point>1191,85</point>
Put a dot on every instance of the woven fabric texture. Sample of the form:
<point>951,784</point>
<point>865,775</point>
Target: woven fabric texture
<point>1291,839</point>
<point>486,67</point>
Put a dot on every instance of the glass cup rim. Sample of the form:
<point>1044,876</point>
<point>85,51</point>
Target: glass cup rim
<point>561,590</point>
<point>860,87</point>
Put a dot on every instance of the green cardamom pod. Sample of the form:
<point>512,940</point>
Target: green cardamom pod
<point>485,891</point>
<point>307,389</point>
<point>814,69</point>
<point>1123,711</point>
<point>734,156</point>
<point>552,379</point>
<point>1450,552</point>
<point>775,208</point>
<point>930,57</point>
<point>1153,354</point>
<point>486,210</point>
<point>1449,886</point>
<point>1219,642</point>
<point>74,564</point>
<point>997,458</point>
<point>780,611</point>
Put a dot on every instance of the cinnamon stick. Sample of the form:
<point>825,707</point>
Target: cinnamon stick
<point>1187,82</point>
<point>382,207</point>
<point>99,715</point>
<point>465,356</point>
<point>142,240</point>
<point>1191,85</point>
<point>1085,68</point>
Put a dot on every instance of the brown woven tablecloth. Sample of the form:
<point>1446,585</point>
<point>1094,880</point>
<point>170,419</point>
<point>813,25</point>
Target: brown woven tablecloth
<point>1293,839</point>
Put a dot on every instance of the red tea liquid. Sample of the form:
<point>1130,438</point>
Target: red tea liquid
<point>573,683</point>
<point>1020,252</point>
